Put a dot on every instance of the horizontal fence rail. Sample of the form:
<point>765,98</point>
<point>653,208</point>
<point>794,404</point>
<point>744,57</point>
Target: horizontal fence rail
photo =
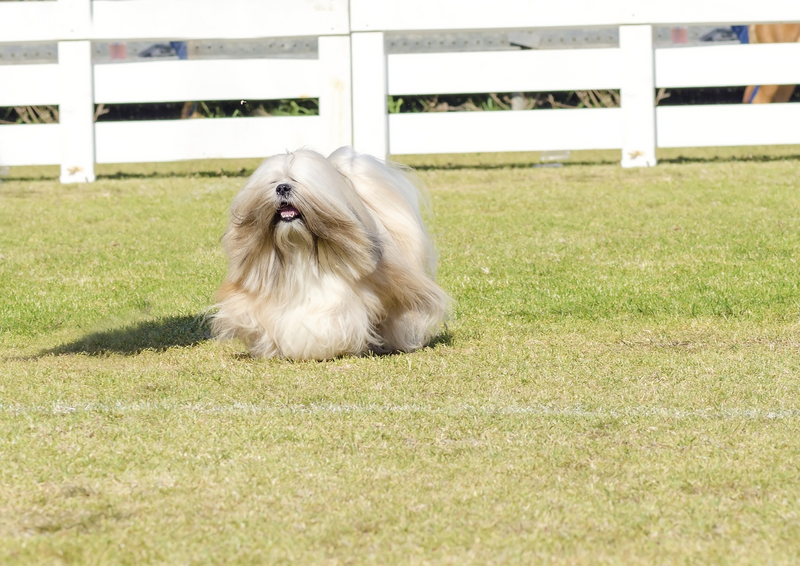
<point>143,20</point>
<point>728,125</point>
<point>542,71</point>
<point>353,76</point>
<point>28,85</point>
<point>728,65</point>
<point>531,130</point>
<point>34,144</point>
<point>174,140</point>
<point>175,81</point>
<point>419,15</point>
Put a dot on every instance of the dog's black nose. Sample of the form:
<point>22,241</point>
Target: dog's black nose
<point>283,189</point>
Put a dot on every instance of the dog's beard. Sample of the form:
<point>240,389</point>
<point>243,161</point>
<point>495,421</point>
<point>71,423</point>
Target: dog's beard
<point>293,240</point>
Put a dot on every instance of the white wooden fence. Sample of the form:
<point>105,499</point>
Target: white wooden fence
<point>353,77</point>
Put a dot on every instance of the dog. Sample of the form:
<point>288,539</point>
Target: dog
<point>328,258</point>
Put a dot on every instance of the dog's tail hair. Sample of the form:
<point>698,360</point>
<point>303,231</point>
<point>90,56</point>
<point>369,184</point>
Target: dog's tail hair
<point>400,178</point>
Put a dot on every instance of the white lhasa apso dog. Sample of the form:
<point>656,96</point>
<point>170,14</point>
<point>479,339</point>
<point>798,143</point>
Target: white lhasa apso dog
<point>329,257</point>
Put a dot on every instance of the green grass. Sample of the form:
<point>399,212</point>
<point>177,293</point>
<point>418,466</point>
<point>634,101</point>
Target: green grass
<point>620,382</point>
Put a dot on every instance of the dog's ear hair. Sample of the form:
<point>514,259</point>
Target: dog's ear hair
<point>352,259</point>
<point>249,239</point>
<point>347,241</point>
<point>347,237</point>
<point>252,258</point>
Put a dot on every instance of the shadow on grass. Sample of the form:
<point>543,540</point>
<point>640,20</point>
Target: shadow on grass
<point>493,166</point>
<point>443,339</point>
<point>241,172</point>
<point>730,159</point>
<point>581,162</point>
<point>154,335</point>
<point>223,173</point>
<point>244,172</point>
<point>164,333</point>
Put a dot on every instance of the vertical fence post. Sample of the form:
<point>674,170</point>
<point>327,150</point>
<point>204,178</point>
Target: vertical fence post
<point>336,96</point>
<point>370,113</point>
<point>76,103</point>
<point>638,96</point>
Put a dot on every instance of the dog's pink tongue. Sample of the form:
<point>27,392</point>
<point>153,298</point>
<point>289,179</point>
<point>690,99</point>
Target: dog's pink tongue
<point>289,212</point>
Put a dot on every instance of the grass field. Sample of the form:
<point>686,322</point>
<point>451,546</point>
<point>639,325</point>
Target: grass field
<point>620,382</point>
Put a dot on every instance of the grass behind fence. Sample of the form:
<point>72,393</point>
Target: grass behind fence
<point>619,383</point>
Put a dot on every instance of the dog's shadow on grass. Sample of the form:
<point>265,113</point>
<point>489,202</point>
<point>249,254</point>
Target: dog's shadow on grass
<point>153,335</point>
<point>164,333</point>
<point>443,339</point>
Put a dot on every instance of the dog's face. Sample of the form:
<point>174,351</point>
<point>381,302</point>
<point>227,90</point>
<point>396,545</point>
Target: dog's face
<point>299,206</point>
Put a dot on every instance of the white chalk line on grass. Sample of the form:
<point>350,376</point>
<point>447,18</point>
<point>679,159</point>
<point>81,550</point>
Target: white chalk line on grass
<point>60,408</point>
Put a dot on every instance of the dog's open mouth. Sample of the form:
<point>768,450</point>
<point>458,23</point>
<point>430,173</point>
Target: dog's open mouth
<point>288,213</point>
